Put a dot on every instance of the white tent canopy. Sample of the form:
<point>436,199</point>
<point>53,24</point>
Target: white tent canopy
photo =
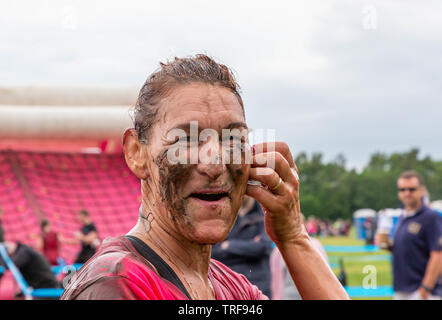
<point>65,122</point>
<point>364,213</point>
<point>44,112</point>
<point>436,205</point>
<point>392,212</point>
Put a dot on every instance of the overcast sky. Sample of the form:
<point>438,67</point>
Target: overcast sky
<point>350,77</point>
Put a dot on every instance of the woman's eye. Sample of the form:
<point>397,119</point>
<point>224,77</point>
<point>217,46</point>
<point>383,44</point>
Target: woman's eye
<point>235,139</point>
<point>234,142</point>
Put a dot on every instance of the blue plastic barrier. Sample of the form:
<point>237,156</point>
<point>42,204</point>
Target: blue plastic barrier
<point>372,257</point>
<point>47,293</point>
<point>365,248</point>
<point>59,269</point>
<point>378,292</point>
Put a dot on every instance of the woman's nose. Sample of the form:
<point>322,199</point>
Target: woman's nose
<point>213,171</point>
<point>210,161</point>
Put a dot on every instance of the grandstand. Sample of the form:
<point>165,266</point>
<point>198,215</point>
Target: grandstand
<point>56,186</point>
<point>60,151</point>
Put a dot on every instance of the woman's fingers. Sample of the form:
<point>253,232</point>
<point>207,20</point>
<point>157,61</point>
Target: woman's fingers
<point>276,146</point>
<point>279,163</point>
<point>273,167</point>
<point>264,197</point>
<point>280,147</point>
<point>269,178</point>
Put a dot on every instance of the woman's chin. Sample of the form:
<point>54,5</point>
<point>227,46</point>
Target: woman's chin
<point>206,225</point>
<point>210,232</point>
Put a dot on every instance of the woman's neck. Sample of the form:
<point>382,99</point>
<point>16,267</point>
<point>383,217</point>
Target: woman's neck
<point>172,247</point>
<point>189,260</point>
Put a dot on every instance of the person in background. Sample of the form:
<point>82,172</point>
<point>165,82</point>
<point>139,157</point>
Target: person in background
<point>370,228</point>
<point>49,242</point>
<point>247,248</point>
<point>311,226</point>
<point>417,244</point>
<point>33,266</point>
<point>336,227</point>
<point>347,227</point>
<point>282,287</point>
<point>87,236</point>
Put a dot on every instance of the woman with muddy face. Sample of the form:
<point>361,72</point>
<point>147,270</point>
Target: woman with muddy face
<point>193,201</point>
<point>190,150</point>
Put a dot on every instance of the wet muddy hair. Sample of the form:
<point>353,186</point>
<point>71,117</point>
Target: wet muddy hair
<point>181,71</point>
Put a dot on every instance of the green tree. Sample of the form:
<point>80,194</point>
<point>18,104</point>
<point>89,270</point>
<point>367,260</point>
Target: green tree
<point>330,191</point>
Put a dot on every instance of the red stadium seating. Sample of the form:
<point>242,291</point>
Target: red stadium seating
<point>57,185</point>
<point>18,219</point>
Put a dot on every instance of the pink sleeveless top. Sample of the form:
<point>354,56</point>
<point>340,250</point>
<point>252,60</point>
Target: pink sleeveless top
<point>119,271</point>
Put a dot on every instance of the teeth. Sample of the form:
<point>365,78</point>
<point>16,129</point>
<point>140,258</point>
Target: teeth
<point>209,196</point>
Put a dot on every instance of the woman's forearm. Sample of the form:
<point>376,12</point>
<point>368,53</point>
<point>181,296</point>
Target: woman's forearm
<point>312,275</point>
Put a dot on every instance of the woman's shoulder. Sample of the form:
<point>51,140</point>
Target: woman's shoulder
<point>106,265</point>
<point>116,271</point>
<point>230,285</point>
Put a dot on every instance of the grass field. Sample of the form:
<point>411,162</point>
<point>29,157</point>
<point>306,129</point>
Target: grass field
<point>354,267</point>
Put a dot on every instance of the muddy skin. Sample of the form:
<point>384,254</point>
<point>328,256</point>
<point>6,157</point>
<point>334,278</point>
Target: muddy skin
<point>237,174</point>
<point>172,176</point>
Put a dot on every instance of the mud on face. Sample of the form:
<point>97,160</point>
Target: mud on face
<point>174,176</point>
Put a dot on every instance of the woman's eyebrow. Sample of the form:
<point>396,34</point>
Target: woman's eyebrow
<point>186,125</point>
<point>236,125</point>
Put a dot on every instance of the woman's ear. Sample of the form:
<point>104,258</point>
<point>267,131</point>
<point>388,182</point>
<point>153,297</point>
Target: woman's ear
<point>135,154</point>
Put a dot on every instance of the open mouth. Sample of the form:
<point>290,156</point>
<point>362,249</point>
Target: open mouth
<point>210,196</point>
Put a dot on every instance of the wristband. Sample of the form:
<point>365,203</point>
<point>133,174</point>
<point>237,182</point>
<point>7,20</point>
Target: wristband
<point>428,289</point>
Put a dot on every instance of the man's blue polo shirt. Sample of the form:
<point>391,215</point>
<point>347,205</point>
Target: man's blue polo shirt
<point>415,237</point>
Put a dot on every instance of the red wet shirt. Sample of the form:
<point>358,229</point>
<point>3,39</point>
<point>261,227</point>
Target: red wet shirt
<point>119,271</point>
<point>51,247</point>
